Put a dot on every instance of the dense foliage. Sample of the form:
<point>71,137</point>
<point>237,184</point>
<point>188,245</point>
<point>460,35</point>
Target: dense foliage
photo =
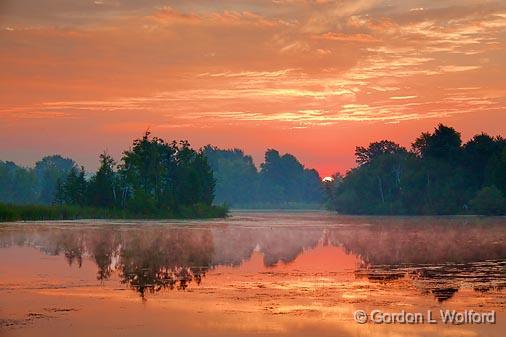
<point>19,185</point>
<point>438,175</point>
<point>282,180</point>
<point>154,179</point>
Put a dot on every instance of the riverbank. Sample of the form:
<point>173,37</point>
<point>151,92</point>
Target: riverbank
<point>9,212</point>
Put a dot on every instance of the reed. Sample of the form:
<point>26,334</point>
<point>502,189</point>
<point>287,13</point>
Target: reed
<point>10,212</point>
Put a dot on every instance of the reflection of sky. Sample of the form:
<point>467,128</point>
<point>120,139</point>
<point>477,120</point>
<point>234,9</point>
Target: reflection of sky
<point>270,274</point>
<point>301,249</point>
<point>311,72</point>
<point>231,301</point>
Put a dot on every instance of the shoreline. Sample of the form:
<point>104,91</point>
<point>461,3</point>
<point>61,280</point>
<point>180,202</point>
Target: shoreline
<point>19,213</point>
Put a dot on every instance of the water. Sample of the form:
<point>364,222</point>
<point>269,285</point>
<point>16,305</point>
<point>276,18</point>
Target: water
<point>254,274</point>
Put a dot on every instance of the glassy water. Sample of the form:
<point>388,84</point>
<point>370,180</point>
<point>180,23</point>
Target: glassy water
<point>261,274</point>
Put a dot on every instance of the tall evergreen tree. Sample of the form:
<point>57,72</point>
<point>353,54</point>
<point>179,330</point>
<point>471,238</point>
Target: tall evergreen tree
<point>103,187</point>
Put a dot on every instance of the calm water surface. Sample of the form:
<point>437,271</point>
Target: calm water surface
<point>253,274</point>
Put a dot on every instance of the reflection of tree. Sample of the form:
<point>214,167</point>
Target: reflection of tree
<point>236,244</point>
<point>288,244</point>
<point>149,260</point>
<point>438,256</point>
<point>103,246</point>
<point>444,281</point>
<point>154,280</point>
<point>164,259</point>
<point>382,274</point>
<point>423,241</point>
<point>444,293</point>
<point>72,246</point>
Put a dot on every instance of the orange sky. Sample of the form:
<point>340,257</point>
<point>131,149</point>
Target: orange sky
<point>311,77</point>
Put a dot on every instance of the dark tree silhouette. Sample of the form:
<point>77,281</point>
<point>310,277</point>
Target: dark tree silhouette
<point>438,176</point>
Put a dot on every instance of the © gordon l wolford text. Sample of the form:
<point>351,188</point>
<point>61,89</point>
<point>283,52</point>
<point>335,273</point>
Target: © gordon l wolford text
<point>443,316</point>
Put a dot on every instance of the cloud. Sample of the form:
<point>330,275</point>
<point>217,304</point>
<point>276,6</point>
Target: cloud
<point>455,68</point>
<point>168,15</point>
<point>296,63</point>
<point>327,17</point>
<point>403,97</point>
<point>342,37</point>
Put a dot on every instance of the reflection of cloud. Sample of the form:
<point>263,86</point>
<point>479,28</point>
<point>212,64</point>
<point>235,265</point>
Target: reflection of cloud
<point>380,249</point>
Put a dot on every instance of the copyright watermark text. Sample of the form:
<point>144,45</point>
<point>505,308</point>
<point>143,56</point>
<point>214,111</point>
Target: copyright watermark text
<point>429,317</point>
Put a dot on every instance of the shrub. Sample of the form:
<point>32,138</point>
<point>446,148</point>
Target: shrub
<point>489,201</point>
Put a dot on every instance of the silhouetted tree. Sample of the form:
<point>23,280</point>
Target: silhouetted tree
<point>17,184</point>
<point>439,176</point>
<point>49,170</point>
<point>236,175</point>
<point>162,176</point>
<point>444,143</point>
<point>490,201</point>
<point>103,186</point>
<point>73,189</point>
<point>366,155</point>
<point>282,179</point>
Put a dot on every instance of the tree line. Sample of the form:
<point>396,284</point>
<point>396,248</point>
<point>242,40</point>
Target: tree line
<point>437,175</point>
<point>20,185</point>
<point>153,178</point>
<point>154,174</point>
<point>280,182</point>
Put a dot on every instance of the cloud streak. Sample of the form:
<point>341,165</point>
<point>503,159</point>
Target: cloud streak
<point>286,65</point>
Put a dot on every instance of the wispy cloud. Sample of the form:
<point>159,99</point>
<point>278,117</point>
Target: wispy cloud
<point>286,64</point>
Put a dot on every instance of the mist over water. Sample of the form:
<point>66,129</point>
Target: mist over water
<point>306,263</point>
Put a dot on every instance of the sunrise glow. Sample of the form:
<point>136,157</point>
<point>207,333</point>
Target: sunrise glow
<point>313,78</point>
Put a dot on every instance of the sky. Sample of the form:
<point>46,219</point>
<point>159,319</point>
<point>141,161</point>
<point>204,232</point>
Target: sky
<point>314,78</point>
